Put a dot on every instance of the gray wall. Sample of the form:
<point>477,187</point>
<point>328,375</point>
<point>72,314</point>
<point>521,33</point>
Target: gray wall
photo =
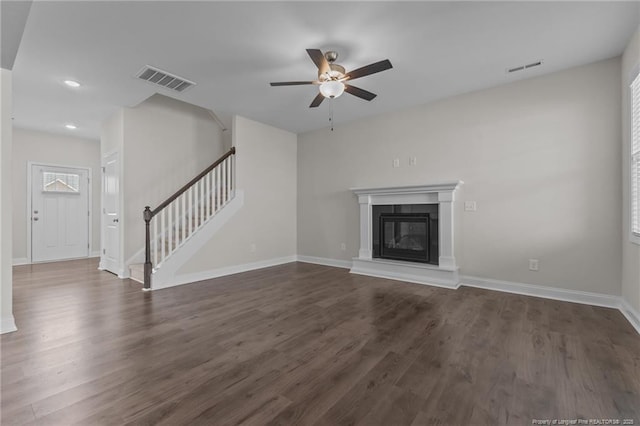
<point>630,251</point>
<point>540,156</point>
<point>265,227</point>
<point>166,143</point>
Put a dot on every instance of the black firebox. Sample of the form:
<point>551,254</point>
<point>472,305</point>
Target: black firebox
<point>408,233</point>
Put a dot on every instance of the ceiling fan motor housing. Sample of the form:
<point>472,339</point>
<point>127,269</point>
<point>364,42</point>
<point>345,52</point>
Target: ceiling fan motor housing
<point>331,56</point>
<point>336,72</point>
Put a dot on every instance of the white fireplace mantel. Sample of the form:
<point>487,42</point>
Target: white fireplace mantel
<point>446,272</point>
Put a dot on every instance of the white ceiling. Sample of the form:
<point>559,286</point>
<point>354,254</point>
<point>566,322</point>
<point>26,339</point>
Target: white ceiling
<point>232,50</point>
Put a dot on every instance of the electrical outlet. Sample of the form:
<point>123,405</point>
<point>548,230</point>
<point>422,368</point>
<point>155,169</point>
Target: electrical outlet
<point>252,247</point>
<point>396,162</point>
<point>534,265</point>
<point>470,206</point>
<point>343,246</point>
<point>413,161</point>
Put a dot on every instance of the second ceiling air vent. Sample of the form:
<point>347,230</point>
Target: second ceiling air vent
<point>163,78</point>
<point>524,67</point>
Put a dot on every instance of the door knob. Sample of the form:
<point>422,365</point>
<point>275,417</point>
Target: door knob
<point>35,219</point>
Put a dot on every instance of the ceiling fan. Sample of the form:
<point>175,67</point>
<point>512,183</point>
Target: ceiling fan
<point>332,77</point>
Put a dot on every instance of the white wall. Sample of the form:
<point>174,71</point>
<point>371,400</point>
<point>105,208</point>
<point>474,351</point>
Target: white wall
<point>35,146</point>
<point>266,172</point>
<point>112,134</point>
<point>630,251</point>
<point>166,143</point>
<point>541,157</point>
<point>7,322</point>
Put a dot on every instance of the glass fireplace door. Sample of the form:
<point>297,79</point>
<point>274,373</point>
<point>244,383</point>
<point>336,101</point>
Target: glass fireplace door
<point>405,237</point>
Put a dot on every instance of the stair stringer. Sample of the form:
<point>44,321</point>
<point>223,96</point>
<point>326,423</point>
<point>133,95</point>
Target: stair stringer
<point>166,275</point>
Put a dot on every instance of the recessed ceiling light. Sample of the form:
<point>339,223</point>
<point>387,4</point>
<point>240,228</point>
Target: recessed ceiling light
<point>72,83</point>
<point>70,126</point>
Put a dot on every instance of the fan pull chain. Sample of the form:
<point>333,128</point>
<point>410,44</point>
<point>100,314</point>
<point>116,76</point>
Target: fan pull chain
<point>331,113</point>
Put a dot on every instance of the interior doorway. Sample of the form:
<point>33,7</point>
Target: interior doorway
<point>110,256</point>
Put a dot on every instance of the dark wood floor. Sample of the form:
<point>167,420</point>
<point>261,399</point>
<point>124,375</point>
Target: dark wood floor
<point>306,344</point>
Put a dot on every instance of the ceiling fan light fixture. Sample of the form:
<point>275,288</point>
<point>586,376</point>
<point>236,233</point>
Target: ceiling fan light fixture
<point>332,88</point>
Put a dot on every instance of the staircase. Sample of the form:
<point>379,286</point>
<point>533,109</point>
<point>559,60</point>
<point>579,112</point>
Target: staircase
<point>171,225</point>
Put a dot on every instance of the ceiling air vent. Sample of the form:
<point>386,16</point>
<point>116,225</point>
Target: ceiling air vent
<point>525,67</point>
<point>164,79</point>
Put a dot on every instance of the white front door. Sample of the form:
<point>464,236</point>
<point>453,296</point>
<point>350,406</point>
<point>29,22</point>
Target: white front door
<point>59,213</point>
<point>110,260</point>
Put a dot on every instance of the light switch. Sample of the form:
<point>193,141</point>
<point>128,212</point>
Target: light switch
<point>396,162</point>
<point>470,206</point>
<point>413,161</point>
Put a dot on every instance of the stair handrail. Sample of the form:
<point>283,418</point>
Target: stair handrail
<point>182,190</point>
<point>149,214</point>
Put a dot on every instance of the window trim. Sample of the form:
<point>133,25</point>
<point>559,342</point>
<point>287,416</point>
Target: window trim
<point>635,74</point>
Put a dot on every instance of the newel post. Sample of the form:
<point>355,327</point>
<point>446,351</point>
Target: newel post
<point>147,248</point>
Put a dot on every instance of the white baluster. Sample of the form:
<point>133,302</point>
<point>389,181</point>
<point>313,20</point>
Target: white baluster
<point>214,193</point>
<point>184,216</point>
<point>163,231</point>
<point>224,181</point>
<point>207,192</point>
<point>214,202</point>
<point>231,168</point>
<point>229,176</point>
<point>155,241</point>
<point>190,218</point>
<point>196,206</point>
<point>201,202</point>
<point>176,221</point>
<point>170,226</point>
<point>219,188</point>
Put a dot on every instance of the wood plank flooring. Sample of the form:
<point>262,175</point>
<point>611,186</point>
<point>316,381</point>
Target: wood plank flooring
<point>305,344</point>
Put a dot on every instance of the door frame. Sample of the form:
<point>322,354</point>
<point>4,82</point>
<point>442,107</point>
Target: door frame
<point>121,270</point>
<point>30,165</point>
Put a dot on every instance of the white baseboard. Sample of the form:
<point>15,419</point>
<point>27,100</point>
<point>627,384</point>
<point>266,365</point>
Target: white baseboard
<point>336,263</point>
<point>18,261</point>
<point>575,296</point>
<point>219,272</point>
<point>631,314</point>
<point>7,325</point>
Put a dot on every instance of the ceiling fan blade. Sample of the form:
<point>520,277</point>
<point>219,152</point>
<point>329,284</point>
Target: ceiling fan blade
<point>369,69</point>
<point>317,101</point>
<point>318,58</point>
<point>292,83</point>
<point>361,93</point>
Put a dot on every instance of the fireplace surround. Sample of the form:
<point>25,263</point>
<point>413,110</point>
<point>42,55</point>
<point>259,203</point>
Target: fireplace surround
<point>408,240</point>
